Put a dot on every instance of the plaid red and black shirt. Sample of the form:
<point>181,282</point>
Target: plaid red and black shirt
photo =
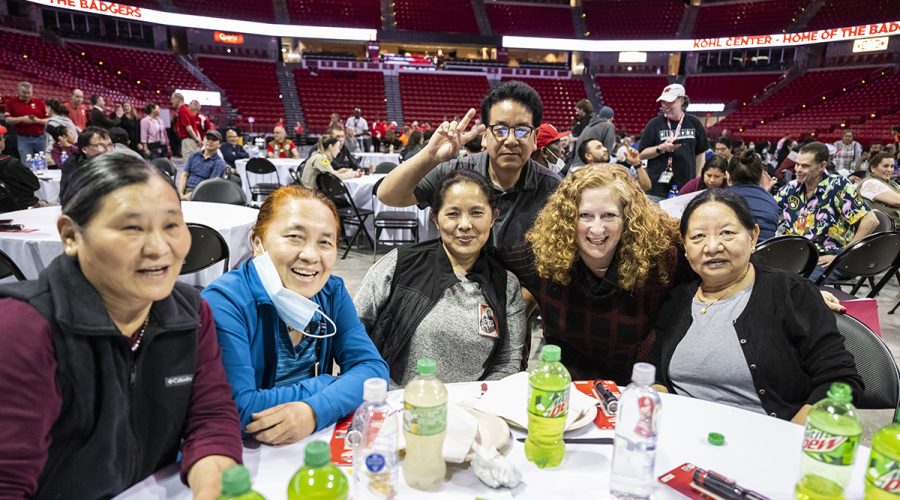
<point>602,329</point>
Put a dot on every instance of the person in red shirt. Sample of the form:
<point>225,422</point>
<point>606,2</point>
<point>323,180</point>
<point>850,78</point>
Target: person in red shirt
<point>185,126</point>
<point>28,116</point>
<point>76,109</point>
<point>281,146</point>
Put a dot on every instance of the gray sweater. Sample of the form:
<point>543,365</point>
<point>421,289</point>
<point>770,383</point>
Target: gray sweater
<point>451,333</point>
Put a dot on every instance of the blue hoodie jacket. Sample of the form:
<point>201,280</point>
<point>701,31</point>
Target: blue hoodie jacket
<point>246,321</point>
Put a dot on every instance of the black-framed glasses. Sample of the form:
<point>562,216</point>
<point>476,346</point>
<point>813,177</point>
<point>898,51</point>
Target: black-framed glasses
<point>501,132</point>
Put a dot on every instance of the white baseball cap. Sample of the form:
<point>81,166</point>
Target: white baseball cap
<point>671,92</point>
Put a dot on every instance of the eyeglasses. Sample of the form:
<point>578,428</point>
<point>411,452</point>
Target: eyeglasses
<point>501,132</point>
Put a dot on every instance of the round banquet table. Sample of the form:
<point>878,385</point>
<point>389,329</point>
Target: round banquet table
<point>361,190</point>
<point>760,453</point>
<point>49,190</point>
<point>282,168</point>
<point>33,251</point>
<point>369,160</point>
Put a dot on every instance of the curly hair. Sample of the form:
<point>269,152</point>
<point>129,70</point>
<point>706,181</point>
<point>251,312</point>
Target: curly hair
<point>647,235</point>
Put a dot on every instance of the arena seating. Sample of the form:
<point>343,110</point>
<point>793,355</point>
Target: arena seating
<point>345,13</point>
<point>167,75</point>
<point>840,13</point>
<point>246,10</point>
<point>435,98</point>
<point>339,92</point>
<point>559,98</point>
<point>446,16</point>
<point>623,19</point>
<point>747,18</point>
<point>251,86</point>
<point>711,88</point>
<point>633,99</point>
<point>517,19</point>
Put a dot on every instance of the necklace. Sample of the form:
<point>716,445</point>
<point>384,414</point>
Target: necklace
<point>728,290</point>
<point>140,335</point>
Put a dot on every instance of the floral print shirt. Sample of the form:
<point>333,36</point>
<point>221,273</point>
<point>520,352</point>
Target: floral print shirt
<point>827,217</point>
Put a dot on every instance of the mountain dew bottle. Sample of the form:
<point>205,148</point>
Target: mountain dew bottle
<point>318,479</point>
<point>829,446</point>
<point>548,406</point>
<point>883,473</point>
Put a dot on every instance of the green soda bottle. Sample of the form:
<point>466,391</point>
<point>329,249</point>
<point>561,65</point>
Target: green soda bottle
<point>883,473</point>
<point>829,446</point>
<point>236,485</point>
<point>318,479</point>
<point>548,405</point>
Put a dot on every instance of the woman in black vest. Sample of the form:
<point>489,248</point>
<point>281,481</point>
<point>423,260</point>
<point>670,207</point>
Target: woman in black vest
<point>108,366</point>
<point>447,299</point>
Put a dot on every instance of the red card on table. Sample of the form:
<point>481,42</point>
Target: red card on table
<point>604,420</point>
<point>681,479</point>
<point>864,310</point>
<point>341,453</point>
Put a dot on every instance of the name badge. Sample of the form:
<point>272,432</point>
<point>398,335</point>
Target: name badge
<point>666,177</point>
<point>487,325</point>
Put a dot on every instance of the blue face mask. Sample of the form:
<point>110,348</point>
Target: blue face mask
<point>295,310</point>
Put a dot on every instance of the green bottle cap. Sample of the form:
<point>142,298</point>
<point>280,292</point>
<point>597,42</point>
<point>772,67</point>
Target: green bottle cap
<point>235,481</point>
<point>426,366</point>
<point>840,392</point>
<point>551,352</point>
<point>317,454</point>
<point>715,439</point>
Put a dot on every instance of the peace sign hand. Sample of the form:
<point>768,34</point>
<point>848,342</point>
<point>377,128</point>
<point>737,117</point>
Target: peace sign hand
<point>449,137</point>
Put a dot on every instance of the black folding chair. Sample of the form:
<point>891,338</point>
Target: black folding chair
<point>262,167</point>
<point>790,253</point>
<point>219,190</point>
<point>385,167</point>
<point>394,219</point>
<point>207,248</point>
<point>866,258</point>
<point>333,187</point>
<point>9,268</point>
<point>874,362</point>
<point>297,174</point>
<point>7,201</point>
<point>165,166</point>
<point>885,223</point>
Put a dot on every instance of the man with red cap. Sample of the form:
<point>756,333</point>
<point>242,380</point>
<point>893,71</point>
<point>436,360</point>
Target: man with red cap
<point>549,152</point>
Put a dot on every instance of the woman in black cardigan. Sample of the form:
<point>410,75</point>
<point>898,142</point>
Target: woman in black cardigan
<point>745,335</point>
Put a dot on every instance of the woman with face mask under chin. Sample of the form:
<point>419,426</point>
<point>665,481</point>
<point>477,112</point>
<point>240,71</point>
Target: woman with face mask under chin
<point>447,299</point>
<point>283,321</point>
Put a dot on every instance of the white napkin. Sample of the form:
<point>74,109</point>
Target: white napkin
<point>507,398</point>
<point>461,429</point>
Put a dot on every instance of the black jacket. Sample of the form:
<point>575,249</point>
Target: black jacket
<point>69,167</point>
<point>789,338</point>
<point>422,274</point>
<point>97,449</point>
<point>99,118</point>
<point>21,181</point>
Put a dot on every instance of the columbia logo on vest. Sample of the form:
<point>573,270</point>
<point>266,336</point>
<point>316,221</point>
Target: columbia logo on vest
<point>179,380</point>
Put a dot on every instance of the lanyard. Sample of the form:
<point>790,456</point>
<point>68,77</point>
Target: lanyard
<point>675,136</point>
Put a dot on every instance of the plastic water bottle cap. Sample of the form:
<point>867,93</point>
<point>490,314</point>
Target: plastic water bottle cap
<point>715,439</point>
<point>840,392</point>
<point>375,390</point>
<point>426,366</point>
<point>643,373</point>
<point>235,481</point>
<point>316,454</point>
<point>551,353</point>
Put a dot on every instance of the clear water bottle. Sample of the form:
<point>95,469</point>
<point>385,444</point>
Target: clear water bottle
<point>29,162</point>
<point>374,441</point>
<point>674,191</point>
<point>637,422</point>
<point>62,158</point>
<point>41,163</point>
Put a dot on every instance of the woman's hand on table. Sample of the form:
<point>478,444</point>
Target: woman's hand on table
<point>800,417</point>
<point>832,302</point>
<point>283,424</point>
<point>205,477</point>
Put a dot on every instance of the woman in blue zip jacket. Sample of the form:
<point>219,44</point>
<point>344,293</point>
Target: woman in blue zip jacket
<point>283,320</point>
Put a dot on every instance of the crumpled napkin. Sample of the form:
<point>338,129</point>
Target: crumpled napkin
<point>507,398</point>
<point>494,469</point>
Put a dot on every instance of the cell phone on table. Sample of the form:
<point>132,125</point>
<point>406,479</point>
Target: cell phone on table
<point>5,221</point>
<point>11,227</point>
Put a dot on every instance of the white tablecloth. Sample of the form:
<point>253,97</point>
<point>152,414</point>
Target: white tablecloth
<point>369,160</point>
<point>49,190</point>
<point>760,453</point>
<point>361,188</point>
<point>282,166</point>
<point>34,251</point>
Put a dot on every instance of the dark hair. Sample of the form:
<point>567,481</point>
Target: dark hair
<point>585,106</point>
<point>724,140</point>
<point>456,177</point>
<point>473,146</point>
<point>415,139</point>
<point>119,135</point>
<point>880,157</point>
<point>88,133</point>
<point>95,98</point>
<point>57,131</point>
<point>515,91</point>
<point>149,107</point>
<point>746,168</point>
<point>57,108</point>
<point>582,149</point>
<point>818,149</point>
<point>427,135</point>
<point>733,200</point>
<point>717,162</point>
<point>100,176</point>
